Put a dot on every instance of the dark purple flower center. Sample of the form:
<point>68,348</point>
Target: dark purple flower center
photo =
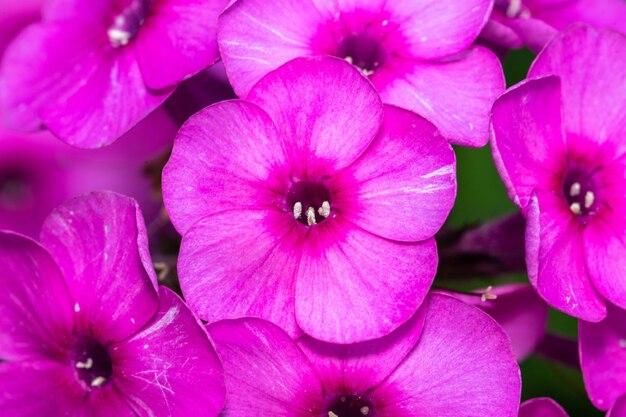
<point>92,361</point>
<point>127,22</point>
<point>363,51</point>
<point>350,406</point>
<point>310,202</point>
<point>15,191</point>
<point>580,191</point>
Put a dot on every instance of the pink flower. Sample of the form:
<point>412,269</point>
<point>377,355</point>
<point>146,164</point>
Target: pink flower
<point>416,53</point>
<point>449,360</point>
<point>15,16</point>
<point>92,69</point>
<point>541,407</point>
<point>85,330</point>
<point>532,23</point>
<point>309,204</point>
<point>603,361</point>
<point>559,147</point>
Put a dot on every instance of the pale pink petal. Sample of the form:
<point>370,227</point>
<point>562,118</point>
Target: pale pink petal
<point>265,372</point>
<point>556,260</point>
<point>404,186</point>
<point>35,307</point>
<point>358,367</point>
<point>169,368</point>
<point>528,141</point>
<point>602,349</point>
<point>497,34</point>
<point>242,263</point>
<point>535,33</point>
<point>593,91</point>
<point>256,37</point>
<point>456,95</point>
<point>541,407</point>
<point>334,124</point>
<point>178,39</point>
<point>462,365</point>
<point>99,241</point>
<point>354,286</point>
<point>222,160</point>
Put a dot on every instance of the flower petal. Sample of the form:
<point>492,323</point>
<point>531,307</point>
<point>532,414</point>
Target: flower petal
<point>535,33</point>
<point>354,286</point>
<point>178,40</point>
<point>404,186</point>
<point>593,91</point>
<point>169,368</point>
<point>265,372</point>
<point>35,307</point>
<point>462,366</point>
<point>358,367</point>
<point>99,241</point>
<point>602,348</point>
<point>528,140</point>
<point>224,158</point>
<point>619,409</point>
<point>455,94</point>
<point>556,260</point>
<point>256,37</point>
<point>541,407</point>
<point>242,263</point>
<point>334,124</point>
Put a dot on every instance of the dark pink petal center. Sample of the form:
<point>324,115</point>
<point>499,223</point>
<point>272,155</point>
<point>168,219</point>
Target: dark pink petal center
<point>350,406</point>
<point>363,51</point>
<point>127,22</point>
<point>310,202</point>
<point>15,190</point>
<point>580,191</point>
<point>92,361</point>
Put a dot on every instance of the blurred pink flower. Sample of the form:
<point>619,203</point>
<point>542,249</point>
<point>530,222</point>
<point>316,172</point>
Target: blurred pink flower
<point>559,145</point>
<point>416,53</point>
<point>309,204</point>
<point>85,329</point>
<point>90,70</point>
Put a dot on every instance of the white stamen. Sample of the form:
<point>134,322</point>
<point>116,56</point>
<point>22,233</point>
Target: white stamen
<point>575,207</point>
<point>349,59</point>
<point>98,381</point>
<point>85,365</point>
<point>574,189</point>
<point>385,22</point>
<point>118,37</point>
<point>310,216</point>
<point>589,199</point>
<point>365,410</point>
<point>76,307</point>
<point>297,210</point>
<point>324,211</point>
<point>331,414</point>
<point>514,8</point>
<point>487,295</point>
<point>367,72</point>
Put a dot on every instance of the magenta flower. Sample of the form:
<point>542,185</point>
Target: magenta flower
<point>85,330</point>
<point>541,407</point>
<point>416,53</point>
<point>309,204</point>
<point>559,146</point>
<point>532,23</point>
<point>449,360</point>
<point>92,69</point>
<point>39,172</point>
<point>603,361</point>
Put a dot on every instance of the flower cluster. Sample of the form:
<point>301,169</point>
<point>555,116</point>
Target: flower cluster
<point>295,163</point>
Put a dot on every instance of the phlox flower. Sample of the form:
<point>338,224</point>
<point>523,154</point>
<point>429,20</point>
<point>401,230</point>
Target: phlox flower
<point>449,360</point>
<point>559,145</point>
<point>310,204</point>
<point>92,69</point>
<point>541,407</point>
<point>416,53</point>
<point>84,329</point>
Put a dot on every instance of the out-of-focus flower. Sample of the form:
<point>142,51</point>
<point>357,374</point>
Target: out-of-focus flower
<point>518,309</point>
<point>92,69</point>
<point>532,23</point>
<point>309,204</point>
<point>38,172</point>
<point>541,407</point>
<point>15,15</point>
<point>449,360</point>
<point>603,361</point>
<point>416,53</point>
<point>86,331</point>
<point>559,145</point>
